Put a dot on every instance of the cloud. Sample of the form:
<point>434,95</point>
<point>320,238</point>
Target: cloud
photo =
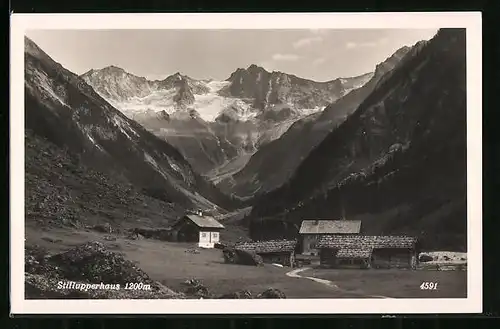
<point>306,41</point>
<point>319,61</point>
<point>285,57</point>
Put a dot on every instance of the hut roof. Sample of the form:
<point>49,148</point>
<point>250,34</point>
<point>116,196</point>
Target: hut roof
<point>362,253</point>
<point>365,241</point>
<point>270,246</point>
<point>329,226</point>
<point>204,221</point>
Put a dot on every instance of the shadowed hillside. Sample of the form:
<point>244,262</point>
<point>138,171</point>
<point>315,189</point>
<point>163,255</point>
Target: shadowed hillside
<point>62,108</point>
<point>398,162</point>
<point>274,163</point>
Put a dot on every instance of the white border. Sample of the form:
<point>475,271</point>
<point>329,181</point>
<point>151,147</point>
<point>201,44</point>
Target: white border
<point>469,20</point>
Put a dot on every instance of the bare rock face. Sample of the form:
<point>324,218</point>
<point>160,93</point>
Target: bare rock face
<point>63,109</point>
<point>272,293</point>
<point>242,257</point>
<point>229,255</point>
<point>92,261</point>
<point>271,88</point>
<point>184,94</point>
<point>249,258</point>
<point>196,289</point>
<point>275,162</point>
<point>251,101</point>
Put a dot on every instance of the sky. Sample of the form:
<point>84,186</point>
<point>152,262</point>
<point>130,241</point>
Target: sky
<point>319,55</point>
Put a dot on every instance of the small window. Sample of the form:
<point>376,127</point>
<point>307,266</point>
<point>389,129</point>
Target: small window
<point>215,234</point>
<point>203,234</point>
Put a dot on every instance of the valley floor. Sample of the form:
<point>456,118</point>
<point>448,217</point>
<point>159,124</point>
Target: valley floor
<point>395,283</point>
<point>172,264</point>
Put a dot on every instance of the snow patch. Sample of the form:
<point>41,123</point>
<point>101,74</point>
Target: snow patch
<point>119,85</point>
<point>174,166</point>
<point>154,164</point>
<point>42,80</point>
<point>124,126</point>
<point>208,105</point>
<point>215,86</point>
<point>307,112</point>
<point>99,147</point>
<point>87,131</point>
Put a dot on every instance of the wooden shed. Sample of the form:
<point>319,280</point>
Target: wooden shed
<point>312,229</point>
<point>364,251</point>
<point>198,228</point>
<point>272,251</point>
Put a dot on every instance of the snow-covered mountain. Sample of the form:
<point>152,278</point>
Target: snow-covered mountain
<point>215,123</point>
<point>64,110</point>
<point>270,89</point>
<point>274,163</point>
<point>245,95</point>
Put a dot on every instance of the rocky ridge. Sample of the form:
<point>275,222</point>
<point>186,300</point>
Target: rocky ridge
<point>274,163</point>
<point>216,124</point>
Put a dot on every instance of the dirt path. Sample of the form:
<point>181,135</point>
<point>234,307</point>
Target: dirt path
<point>328,283</point>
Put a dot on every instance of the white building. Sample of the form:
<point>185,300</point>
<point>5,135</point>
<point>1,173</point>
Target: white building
<point>204,230</point>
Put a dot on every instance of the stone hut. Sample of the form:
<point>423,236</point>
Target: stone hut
<point>272,251</point>
<point>362,251</point>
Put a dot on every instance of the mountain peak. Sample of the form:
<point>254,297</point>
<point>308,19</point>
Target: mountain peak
<point>254,67</point>
<point>113,68</point>
<point>30,47</point>
<point>390,62</point>
<point>176,77</point>
<point>89,72</point>
<point>29,42</point>
<point>251,70</point>
<point>401,51</point>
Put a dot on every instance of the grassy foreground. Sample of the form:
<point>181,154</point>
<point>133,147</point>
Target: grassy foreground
<point>174,263</point>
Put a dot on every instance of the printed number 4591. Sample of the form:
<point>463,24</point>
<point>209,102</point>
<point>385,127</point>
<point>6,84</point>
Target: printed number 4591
<point>428,286</point>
